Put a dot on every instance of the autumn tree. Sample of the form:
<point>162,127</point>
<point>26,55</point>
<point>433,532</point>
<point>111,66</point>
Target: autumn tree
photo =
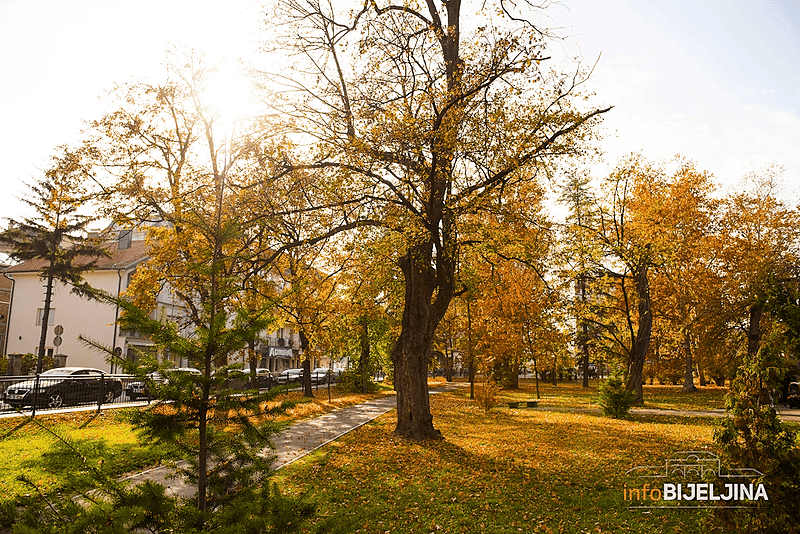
<point>684,284</point>
<point>627,231</point>
<point>757,242</point>
<point>367,307</point>
<point>173,157</point>
<point>57,237</point>
<point>424,119</point>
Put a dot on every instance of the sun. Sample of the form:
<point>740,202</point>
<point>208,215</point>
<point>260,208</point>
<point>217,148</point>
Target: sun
<point>228,94</point>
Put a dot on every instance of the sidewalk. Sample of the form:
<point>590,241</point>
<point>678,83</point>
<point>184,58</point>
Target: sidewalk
<point>307,436</point>
<point>296,441</point>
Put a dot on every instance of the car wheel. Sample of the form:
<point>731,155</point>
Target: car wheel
<point>109,397</point>
<point>55,400</point>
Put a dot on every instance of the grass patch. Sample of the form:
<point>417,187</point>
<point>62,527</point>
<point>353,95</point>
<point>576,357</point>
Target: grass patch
<point>505,472</point>
<point>23,450</point>
<point>24,446</point>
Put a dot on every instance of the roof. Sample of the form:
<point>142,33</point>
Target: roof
<point>118,259</point>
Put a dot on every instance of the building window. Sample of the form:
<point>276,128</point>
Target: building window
<point>129,278</point>
<point>51,318</point>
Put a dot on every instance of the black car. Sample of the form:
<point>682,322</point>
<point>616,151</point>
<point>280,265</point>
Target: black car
<point>64,386</point>
<point>138,390</point>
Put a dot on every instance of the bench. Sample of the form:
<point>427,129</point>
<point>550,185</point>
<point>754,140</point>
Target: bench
<point>528,404</point>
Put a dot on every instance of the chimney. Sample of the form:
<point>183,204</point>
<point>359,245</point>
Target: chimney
<point>124,241</point>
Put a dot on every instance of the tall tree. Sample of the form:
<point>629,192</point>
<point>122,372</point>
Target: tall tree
<point>57,236</point>
<point>686,278</point>
<point>424,119</point>
<point>627,231</point>
<point>758,242</point>
<point>580,256</point>
<point>173,157</point>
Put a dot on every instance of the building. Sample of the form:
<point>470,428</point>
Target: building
<point>70,314</point>
<point>76,317</point>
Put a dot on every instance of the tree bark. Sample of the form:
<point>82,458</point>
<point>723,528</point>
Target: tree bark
<point>48,297</point>
<point>584,341</point>
<point>411,354</point>
<point>688,369</point>
<point>363,361</point>
<point>471,356</point>
<point>304,344</point>
<point>642,341</point>
<point>754,329</point>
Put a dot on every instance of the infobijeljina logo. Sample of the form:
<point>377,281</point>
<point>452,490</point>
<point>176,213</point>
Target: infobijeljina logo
<point>693,479</point>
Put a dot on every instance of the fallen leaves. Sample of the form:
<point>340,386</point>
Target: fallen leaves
<point>497,473</point>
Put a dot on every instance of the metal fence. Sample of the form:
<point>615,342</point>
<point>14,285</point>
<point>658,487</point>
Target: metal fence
<point>33,393</point>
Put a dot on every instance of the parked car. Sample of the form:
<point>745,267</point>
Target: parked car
<point>240,379</point>
<point>319,375</point>
<point>793,396</point>
<point>289,376</point>
<point>64,386</point>
<point>138,390</point>
<point>265,378</point>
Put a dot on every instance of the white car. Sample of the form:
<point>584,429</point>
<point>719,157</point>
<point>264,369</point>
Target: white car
<point>289,376</point>
<point>319,375</point>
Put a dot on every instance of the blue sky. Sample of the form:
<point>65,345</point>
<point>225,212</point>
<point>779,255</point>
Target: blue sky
<point>717,81</point>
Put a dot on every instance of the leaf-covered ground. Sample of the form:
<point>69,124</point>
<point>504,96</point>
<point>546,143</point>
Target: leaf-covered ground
<point>513,470</point>
<point>572,394</point>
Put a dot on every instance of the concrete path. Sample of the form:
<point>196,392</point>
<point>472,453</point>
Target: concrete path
<point>306,436</point>
<point>296,441</point>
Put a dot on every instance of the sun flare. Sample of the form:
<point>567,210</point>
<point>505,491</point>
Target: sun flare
<point>228,94</point>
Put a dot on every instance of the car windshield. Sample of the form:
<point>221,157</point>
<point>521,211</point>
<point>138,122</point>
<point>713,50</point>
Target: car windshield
<point>60,372</point>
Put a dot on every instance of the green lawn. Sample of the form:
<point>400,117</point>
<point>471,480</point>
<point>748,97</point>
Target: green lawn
<point>23,443</point>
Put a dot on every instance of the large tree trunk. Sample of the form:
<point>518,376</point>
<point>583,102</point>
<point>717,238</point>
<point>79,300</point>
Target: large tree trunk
<point>304,345</point>
<point>363,360</point>
<point>471,357</point>
<point>754,329</point>
<point>642,341</point>
<point>411,354</point>
<point>584,341</point>
<point>513,374</point>
<point>48,297</point>
<point>688,370</point>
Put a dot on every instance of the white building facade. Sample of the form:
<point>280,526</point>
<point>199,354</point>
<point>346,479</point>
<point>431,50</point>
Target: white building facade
<point>75,317</point>
<point>70,314</point>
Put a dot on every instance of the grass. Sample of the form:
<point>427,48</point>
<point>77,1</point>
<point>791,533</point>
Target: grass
<point>24,443</point>
<point>508,471</point>
<point>512,470</point>
<point>23,449</point>
<point>573,395</point>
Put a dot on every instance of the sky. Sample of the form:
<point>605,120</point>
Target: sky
<point>717,81</point>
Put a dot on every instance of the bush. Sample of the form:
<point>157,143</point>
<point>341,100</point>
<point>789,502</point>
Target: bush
<point>486,395</point>
<point>29,362</point>
<point>352,381</point>
<point>754,437</point>
<point>615,400</point>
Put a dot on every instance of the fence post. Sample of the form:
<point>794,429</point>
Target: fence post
<point>35,396</point>
<point>100,393</point>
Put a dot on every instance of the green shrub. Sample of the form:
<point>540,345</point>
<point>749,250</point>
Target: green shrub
<point>615,400</point>
<point>753,436</point>
<point>352,381</point>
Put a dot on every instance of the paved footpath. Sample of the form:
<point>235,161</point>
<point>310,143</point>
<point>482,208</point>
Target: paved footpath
<point>306,436</point>
<point>296,441</point>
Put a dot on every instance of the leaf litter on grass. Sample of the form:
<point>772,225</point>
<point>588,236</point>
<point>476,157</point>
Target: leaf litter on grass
<point>508,471</point>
